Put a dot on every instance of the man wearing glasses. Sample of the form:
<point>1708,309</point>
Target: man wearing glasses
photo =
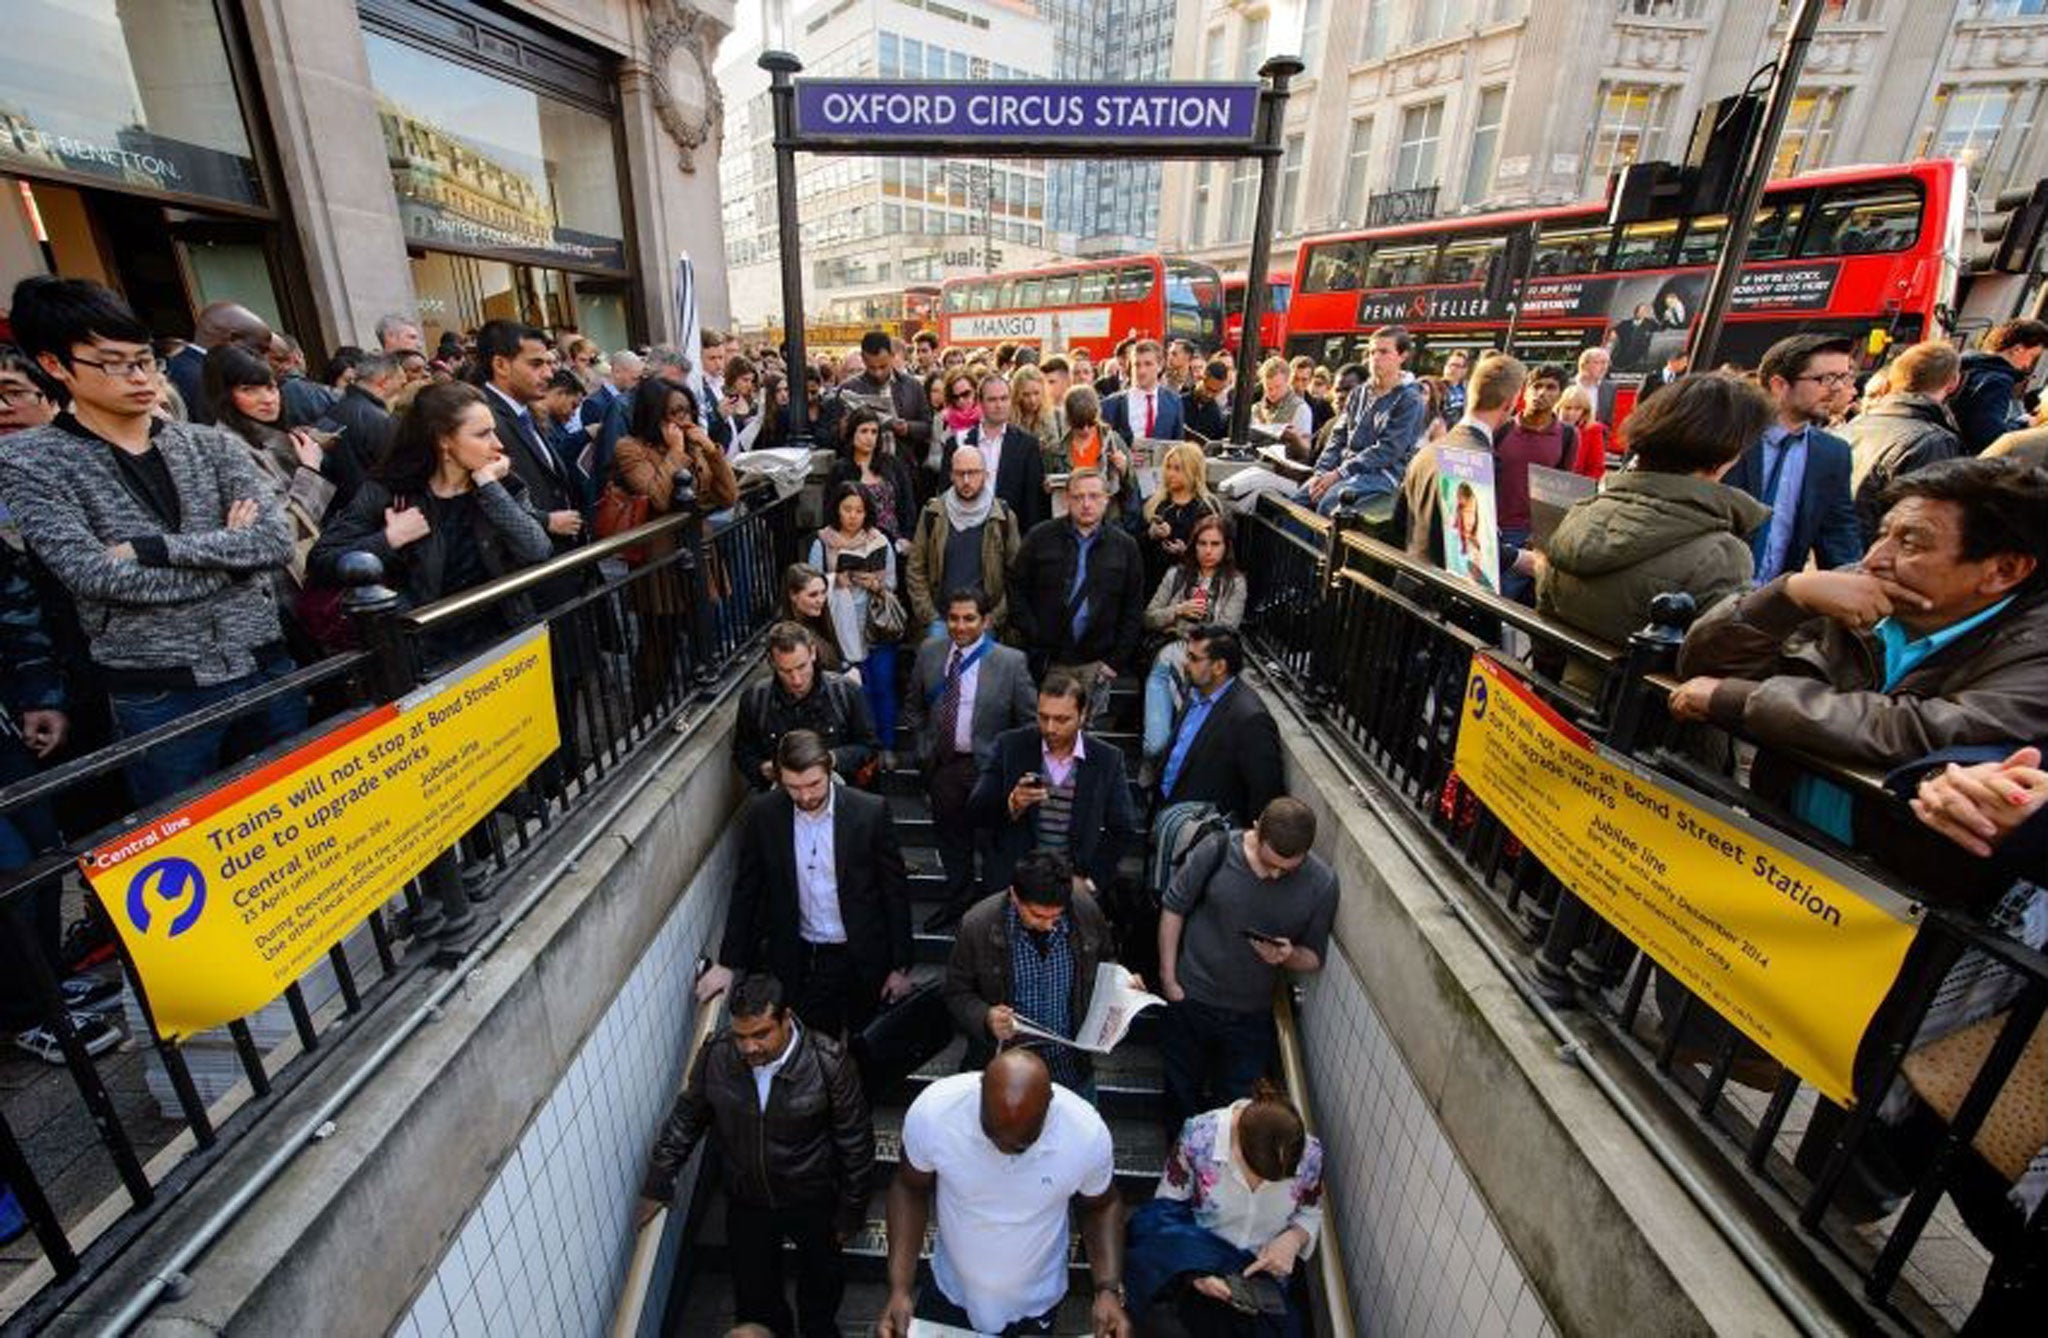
<point>1799,470</point>
<point>163,532</point>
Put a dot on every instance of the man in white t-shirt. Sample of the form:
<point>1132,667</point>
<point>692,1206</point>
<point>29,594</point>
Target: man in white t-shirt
<point>1007,1151</point>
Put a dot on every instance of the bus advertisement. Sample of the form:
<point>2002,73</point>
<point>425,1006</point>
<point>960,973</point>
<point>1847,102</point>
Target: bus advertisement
<point>1868,252</point>
<point>1092,305</point>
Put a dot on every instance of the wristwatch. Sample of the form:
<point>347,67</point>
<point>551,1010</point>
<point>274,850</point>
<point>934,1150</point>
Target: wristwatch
<point>1117,1288</point>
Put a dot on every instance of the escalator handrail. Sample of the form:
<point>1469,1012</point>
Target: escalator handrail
<point>647,1241</point>
<point>1328,1260</point>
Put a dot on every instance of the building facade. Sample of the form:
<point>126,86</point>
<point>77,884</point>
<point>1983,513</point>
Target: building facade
<point>1412,109</point>
<point>327,162</point>
<point>872,226</point>
<point>1108,208</point>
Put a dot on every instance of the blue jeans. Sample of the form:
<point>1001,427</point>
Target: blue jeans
<point>1211,1056</point>
<point>878,683</point>
<point>178,763</point>
<point>1162,700</point>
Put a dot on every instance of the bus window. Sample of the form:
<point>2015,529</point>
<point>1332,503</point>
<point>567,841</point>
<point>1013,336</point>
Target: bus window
<point>1059,291</point>
<point>1334,267</point>
<point>1703,239</point>
<point>956,298</point>
<point>1006,295</point>
<point>1133,283</point>
<point>1030,292</point>
<point>1861,220</point>
<point>1194,303</point>
<point>984,297</point>
<point>1278,297</point>
<point>1777,225</point>
<point>1094,286</point>
<point>1401,266</point>
<point>1645,245</point>
<point>1569,250</point>
<point>1233,300</point>
<point>1467,259</point>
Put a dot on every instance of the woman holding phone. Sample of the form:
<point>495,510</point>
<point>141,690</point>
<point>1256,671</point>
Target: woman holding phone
<point>1204,589</point>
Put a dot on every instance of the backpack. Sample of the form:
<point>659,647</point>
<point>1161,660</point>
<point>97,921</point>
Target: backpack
<point>1179,828</point>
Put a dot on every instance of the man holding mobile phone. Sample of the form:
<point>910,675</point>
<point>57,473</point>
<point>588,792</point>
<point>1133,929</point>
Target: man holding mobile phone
<point>1053,787</point>
<point>1246,905</point>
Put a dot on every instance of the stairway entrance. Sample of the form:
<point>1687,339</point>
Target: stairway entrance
<point>1130,1098</point>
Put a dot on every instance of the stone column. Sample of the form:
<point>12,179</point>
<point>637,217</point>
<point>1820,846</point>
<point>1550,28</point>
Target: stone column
<point>315,82</point>
<point>674,120</point>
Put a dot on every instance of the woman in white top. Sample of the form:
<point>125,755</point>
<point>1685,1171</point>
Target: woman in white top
<point>1241,1200</point>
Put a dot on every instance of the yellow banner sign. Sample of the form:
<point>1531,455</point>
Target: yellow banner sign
<point>228,899</point>
<point>1789,946</point>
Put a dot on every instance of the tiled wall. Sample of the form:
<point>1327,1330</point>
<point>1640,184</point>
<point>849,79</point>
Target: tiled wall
<point>546,1250</point>
<point>1422,1251</point>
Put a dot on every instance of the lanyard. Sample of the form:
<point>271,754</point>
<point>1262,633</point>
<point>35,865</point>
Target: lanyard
<point>973,658</point>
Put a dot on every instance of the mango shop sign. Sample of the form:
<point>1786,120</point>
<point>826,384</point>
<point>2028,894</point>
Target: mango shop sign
<point>996,110</point>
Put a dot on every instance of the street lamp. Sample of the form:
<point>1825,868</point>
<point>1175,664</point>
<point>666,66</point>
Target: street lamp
<point>775,25</point>
<point>1286,30</point>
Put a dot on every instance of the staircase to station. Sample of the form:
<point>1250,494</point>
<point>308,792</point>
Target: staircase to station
<point>1128,1082</point>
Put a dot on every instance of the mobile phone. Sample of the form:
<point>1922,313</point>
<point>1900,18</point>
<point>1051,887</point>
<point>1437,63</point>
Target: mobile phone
<point>1257,937</point>
<point>1031,779</point>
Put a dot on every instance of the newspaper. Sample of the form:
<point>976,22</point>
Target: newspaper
<point>1116,1004</point>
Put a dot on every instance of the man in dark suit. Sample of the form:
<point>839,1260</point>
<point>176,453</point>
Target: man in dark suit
<point>1670,373</point>
<point>1146,408</point>
<point>512,364</point>
<point>218,323</point>
<point>1798,470</point>
<point>363,417</point>
<point>1077,589</point>
<point>966,689</point>
<point>819,898</point>
<point>1226,748</point>
<point>1016,469</point>
<point>1054,788</point>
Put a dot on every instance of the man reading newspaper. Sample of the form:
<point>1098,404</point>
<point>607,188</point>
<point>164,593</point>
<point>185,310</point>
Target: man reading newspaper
<point>1029,966</point>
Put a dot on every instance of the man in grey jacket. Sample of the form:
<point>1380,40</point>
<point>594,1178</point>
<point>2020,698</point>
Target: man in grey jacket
<point>967,688</point>
<point>164,533</point>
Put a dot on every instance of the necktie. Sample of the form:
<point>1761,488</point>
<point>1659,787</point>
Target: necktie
<point>1148,413</point>
<point>1077,599</point>
<point>949,704</point>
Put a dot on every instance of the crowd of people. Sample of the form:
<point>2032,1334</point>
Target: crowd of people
<point>1008,536</point>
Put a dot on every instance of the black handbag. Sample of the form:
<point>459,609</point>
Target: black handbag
<point>902,1037</point>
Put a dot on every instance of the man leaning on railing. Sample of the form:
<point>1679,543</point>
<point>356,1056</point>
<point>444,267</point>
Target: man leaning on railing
<point>1939,639</point>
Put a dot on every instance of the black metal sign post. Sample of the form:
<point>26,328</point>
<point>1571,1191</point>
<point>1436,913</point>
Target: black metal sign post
<point>1022,119</point>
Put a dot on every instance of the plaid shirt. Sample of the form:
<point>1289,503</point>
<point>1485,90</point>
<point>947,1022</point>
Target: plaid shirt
<point>1042,990</point>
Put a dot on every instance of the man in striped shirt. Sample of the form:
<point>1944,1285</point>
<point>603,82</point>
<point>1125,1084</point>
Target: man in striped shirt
<point>1052,787</point>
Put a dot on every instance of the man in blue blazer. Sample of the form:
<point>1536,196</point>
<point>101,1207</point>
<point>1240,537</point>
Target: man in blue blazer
<point>1145,408</point>
<point>1798,469</point>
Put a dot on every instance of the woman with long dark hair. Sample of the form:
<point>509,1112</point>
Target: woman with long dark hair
<point>859,563</point>
<point>443,512</point>
<point>806,595</point>
<point>663,449</point>
<point>1205,588</point>
<point>880,476</point>
<point>302,474</point>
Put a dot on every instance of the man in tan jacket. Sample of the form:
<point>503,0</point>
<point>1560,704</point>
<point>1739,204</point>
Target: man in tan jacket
<point>965,539</point>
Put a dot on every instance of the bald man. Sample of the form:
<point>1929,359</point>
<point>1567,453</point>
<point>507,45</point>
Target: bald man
<point>218,323</point>
<point>1005,1151</point>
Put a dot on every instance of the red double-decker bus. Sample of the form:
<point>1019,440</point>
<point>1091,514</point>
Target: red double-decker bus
<point>1273,324</point>
<point>1869,252</point>
<point>1093,304</point>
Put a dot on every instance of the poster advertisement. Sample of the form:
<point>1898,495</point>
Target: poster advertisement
<point>1464,480</point>
<point>227,899</point>
<point>1740,915</point>
<point>1552,492</point>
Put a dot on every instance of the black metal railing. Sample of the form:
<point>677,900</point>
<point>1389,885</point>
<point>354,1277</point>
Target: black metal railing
<point>640,625</point>
<point>1378,647</point>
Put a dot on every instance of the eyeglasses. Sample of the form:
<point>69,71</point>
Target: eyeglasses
<point>118,369</point>
<point>1829,378</point>
<point>963,394</point>
<point>13,395</point>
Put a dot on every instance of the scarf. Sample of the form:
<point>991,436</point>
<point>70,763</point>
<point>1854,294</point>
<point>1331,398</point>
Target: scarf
<point>860,545</point>
<point>959,420</point>
<point>966,515</point>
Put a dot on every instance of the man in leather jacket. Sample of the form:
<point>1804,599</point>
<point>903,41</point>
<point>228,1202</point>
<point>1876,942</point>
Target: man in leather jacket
<point>783,1106</point>
<point>800,695</point>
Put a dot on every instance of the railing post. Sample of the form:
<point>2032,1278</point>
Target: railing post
<point>1576,949</point>
<point>445,916</point>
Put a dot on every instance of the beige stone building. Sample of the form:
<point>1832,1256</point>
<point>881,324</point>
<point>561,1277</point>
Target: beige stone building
<point>331,161</point>
<point>1412,109</point>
